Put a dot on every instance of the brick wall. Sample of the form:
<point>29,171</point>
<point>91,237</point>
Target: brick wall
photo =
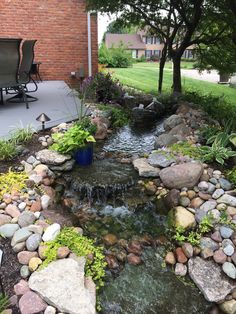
<point>60,26</point>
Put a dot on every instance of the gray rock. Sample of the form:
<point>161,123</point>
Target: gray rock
<point>20,235</point>
<point>144,169</point>
<point>180,269</point>
<point>208,205</point>
<point>62,285</point>
<point>206,242</point>
<point>33,242</point>
<point>200,214</point>
<point>218,193</point>
<point>50,157</point>
<point>213,181</point>
<point>45,201</point>
<point>207,275</point>
<point>172,121</point>
<point>67,166</point>
<point>228,250</point>
<point>24,271</point>
<point>211,188</point>
<point>226,232</point>
<point>184,201</point>
<point>19,247</point>
<point>26,219</point>
<point>160,159</point>
<point>165,140</point>
<point>4,219</point>
<point>31,160</point>
<point>180,131</point>
<point>227,199</point>
<point>185,175</point>
<point>229,269</point>
<point>203,186</point>
<point>225,184</point>
<point>8,230</point>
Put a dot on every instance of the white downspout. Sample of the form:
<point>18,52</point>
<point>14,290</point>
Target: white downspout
<point>89,45</point>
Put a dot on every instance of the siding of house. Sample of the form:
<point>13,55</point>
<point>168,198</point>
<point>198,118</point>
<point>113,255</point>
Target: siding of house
<point>60,27</point>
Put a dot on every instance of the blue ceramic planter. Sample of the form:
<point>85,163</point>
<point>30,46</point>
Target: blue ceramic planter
<point>84,156</point>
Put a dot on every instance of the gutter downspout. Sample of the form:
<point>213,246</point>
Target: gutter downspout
<point>89,45</point>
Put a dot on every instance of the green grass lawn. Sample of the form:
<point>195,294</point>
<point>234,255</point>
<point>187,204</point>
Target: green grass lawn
<point>144,76</point>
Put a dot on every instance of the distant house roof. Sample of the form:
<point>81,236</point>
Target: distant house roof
<point>131,41</point>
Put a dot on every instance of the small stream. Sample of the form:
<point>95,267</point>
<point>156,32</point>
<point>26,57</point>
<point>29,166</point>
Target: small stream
<point>109,200</point>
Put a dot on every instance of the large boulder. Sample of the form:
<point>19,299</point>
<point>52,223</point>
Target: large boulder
<point>62,284</point>
<point>144,169</point>
<point>50,157</point>
<point>185,175</point>
<point>102,125</point>
<point>165,140</point>
<point>160,159</point>
<point>172,122</point>
<point>209,278</point>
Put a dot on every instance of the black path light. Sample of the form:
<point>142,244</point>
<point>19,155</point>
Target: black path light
<point>43,118</point>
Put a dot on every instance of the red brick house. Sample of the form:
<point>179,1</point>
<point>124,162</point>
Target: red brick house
<point>66,34</point>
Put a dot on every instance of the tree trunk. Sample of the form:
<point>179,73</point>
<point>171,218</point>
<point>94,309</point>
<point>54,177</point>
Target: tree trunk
<point>161,69</point>
<point>177,88</point>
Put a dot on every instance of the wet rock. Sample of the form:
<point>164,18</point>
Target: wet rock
<point>26,219</point>
<point>20,235</point>
<point>160,159</point>
<point>32,243</point>
<point>229,269</point>
<point>181,258</point>
<point>110,239</point>
<point>21,287</point>
<point>228,200</point>
<point>170,258</point>
<point>51,232</point>
<point>50,157</point>
<point>31,303</point>
<point>134,259</point>
<point>181,270</point>
<point>228,307</point>
<point>62,284</point>
<point>183,218</point>
<point>184,175</point>
<point>8,230</point>
<point>219,256</point>
<point>208,277</point>
<point>144,169</point>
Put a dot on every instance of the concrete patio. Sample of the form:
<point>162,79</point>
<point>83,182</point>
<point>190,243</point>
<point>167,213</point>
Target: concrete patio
<point>55,99</point>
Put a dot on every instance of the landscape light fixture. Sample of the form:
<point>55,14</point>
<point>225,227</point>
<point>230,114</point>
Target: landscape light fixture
<point>43,118</point>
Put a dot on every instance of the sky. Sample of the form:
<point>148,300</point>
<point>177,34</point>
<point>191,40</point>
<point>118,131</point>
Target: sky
<point>103,21</point>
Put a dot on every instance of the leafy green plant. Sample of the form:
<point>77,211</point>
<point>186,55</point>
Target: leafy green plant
<point>87,125</point>
<point>208,131</point>
<point>192,237</point>
<point>81,246</point>
<point>8,150</point>
<point>186,149</point>
<point>206,224</point>
<point>216,152</point>
<point>115,57</point>
<point>231,175</point>
<point>12,181</point>
<point>74,139</point>
<point>21,135</point>
<point>4,302</point>
<point>119,117</point>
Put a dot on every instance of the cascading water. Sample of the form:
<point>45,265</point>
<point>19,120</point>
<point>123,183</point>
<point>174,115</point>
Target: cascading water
<point>109,200</point>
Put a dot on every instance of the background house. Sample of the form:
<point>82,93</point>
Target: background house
<point>61,28</point>
<point>140,44</point>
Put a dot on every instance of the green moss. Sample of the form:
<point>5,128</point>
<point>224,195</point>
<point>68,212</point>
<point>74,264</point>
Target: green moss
<point>186,149</point>
<point>81,246</point>
<point>12,181</point>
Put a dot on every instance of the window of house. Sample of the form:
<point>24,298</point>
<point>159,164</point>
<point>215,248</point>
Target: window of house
<point>149,40</point>
<point>157,53</point>
<point>148,53</point>
<point>144,39</point>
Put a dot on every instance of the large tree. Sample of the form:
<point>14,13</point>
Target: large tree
<point>179,23</point>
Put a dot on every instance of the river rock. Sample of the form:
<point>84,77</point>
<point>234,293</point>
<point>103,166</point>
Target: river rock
<point>45,201</point>
<point>62,285</point>
<point>8,230</point>
<point>32,243</point>
<point>228,200</point>
<point>228,307</point>
<point>183,218</point>
<point>24,271</point>
<point>208,205</point>
<point>12,211</point>
<point>218,193</point>
<point>181,258</point>
<point>24,257</point>
<point>50,310</point>
<point>50,157</point>
<point>216,236</point>
<point>181,270</point>
<point>51,232</point>
<point>225,184</point>
<point>164,140</point>
<point>170,258</point>
<point>206,242</point>
<point>31,303</point>
<point>207,275</point>
<point>229,269</point>
<point>180,176</point>
<point>219,256</point>
<point>21,287</point>
<point>196,202</point>
<point>110,239</point>
<point>187,249</point>
<point>144,169</point>
<point>226,232</point>
<point>160,159</point>
<point>133,259</point>
<point>20,236</point>
<point>26,219</point>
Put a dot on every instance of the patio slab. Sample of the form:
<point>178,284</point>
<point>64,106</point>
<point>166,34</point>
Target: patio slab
<point>55,99</point>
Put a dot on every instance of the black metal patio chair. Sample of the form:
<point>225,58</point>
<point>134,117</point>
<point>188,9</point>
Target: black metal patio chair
<point>25,73</point>
<point>9,67</point>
